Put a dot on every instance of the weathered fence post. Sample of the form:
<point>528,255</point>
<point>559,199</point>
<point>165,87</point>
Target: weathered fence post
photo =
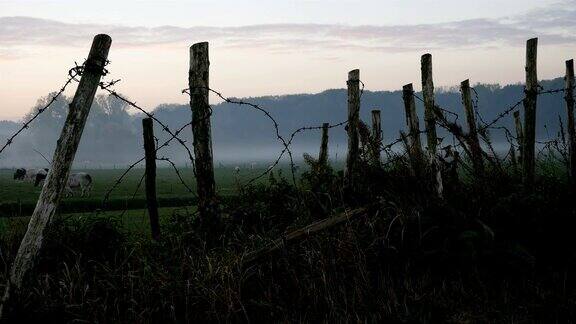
<point>519,135</point>
<point>150,154</point>
<point>531,89</point>
<point>377,135</point>
<point>430,120</point>
<point>428,97</point>
<point>199,89</point>
<point>323,156</point>
<point>66,147</point>
<point>415,146</point>
<point>352,129</point>
<point>474,143</point>
<point>569,97</point>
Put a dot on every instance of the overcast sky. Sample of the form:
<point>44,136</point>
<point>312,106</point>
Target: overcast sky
<point>277,47</point>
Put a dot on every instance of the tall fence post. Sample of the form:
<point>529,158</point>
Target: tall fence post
<point>475,149</point>
<point>412,122</point>
<point>519,135</point>
<point>377,135</point>
<point>428,97</point>
<point>199,89</point>
<point>569,97</point>
<point>323,156</point>
<point>352,129</point>
<point>430,121</point>
<point>150,154</point>
<point>39,224</point>
<point>531,89</point>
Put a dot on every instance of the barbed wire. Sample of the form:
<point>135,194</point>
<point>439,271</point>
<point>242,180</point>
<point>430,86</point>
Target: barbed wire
<point>72,73</point>
<point>177,172</point>
<point>119,180</point>
<point>106,87</point>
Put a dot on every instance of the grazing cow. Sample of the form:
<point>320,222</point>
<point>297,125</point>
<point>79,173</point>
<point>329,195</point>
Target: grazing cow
<point>80,181</point>
<point>28,175</point>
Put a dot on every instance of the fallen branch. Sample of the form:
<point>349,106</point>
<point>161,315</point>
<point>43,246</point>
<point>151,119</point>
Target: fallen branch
<point>301,233</point>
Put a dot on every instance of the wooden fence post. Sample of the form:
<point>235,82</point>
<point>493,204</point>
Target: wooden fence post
<point>150,153</point>
<point>377,135</point>
<point>323,156</point>
<point>428,97</point>
<point>199,89</point>
<point>352,129</point>
<point>519,135</point>
<point>569,97</point>
<point>39,224</point>
<point>474,143</point>
<point>415,146</point>
<point>531,89</point>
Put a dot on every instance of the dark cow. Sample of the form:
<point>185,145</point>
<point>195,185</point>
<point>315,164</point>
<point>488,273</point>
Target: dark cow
<point>28,175</point>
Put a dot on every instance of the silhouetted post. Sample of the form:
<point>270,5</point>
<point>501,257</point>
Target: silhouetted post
<point>377,135</point>
<point>531,89</point>
<point>352,129</point>
<point>55,183</point>
<point>569,97</point>
<point>199,89</point>
<point>323,156</point>
<point>150,154</point>
<point>519,135</point>
<point>475,149</point>
<point>430,120</point>
<point>415,146</point>
<point>428,97</point>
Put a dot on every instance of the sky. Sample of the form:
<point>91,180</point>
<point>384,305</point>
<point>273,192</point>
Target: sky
<point>277,47</point>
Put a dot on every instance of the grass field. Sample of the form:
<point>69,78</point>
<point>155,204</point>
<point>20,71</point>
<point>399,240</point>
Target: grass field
<point>19,198</point>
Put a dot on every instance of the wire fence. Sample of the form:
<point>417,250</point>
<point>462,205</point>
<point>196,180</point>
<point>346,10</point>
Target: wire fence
<point>446,119</point>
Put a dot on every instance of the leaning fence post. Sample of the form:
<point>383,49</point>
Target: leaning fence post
<point>531,90</point>
<point>352,129</point>
<point>428,97</point>
<point>199,89</point>
<point>54,185</point>
<point>377,135</point>
<point>474,143</point>
<point>519,135</point>
<point>150,154</point>
<point>415,146</point>
<point>569,97</point>
<point>323,156</point>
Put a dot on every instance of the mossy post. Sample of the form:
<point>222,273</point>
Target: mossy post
<point>473,141</point>
<point>353,156</point>
<point>198,81</point>
<point>569,98</point>
<point>531,90</point>
<point>377,135</point>
<point>519,135</point>
<point>55,183</point>
<point>323,156</point>
<point>150,155</point>
<point>414,144</point>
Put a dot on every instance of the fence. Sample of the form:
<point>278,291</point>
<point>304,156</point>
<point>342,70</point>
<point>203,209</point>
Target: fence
<point>474,143</point>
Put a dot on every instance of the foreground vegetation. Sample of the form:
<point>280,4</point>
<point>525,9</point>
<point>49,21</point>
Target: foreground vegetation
<point>487,252</point>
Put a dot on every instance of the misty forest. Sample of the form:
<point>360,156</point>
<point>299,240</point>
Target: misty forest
<point>435,205</point>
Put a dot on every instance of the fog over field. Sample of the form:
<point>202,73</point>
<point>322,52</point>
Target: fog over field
<point>242,134</point>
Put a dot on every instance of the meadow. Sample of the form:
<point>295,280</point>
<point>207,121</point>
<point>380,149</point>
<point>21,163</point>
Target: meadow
<point>17,198</point>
